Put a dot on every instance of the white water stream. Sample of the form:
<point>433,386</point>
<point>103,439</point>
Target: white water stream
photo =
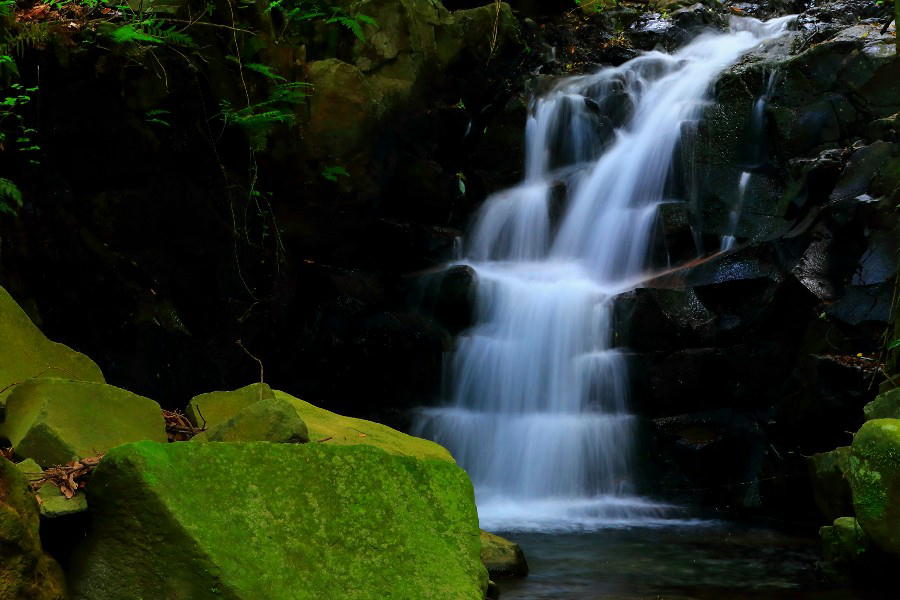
<point>538,413</point>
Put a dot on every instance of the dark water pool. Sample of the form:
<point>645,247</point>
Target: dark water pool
<point>712,561</point>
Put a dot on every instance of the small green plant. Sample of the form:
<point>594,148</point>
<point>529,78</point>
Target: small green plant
<point>596,6</point>
<point>10,197</point>
<point>259,118</point>
<point>298,11</point>
<point>332,173</point>
<point>149,31</point>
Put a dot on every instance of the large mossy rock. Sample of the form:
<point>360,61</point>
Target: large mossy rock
<point>502,558</point>
<point>55,421</point>
<point>874,473</point>
<point>285,521</point>
<point>27,353</point>
<point>322,425</point>
<point>831,490</point>
<point>885,406</point>
<point>26,573</point>
<point>338,430</point>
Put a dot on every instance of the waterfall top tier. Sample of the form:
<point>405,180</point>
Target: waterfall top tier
<point>538,410</point>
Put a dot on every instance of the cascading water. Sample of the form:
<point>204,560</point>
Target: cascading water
<point>538,413</point>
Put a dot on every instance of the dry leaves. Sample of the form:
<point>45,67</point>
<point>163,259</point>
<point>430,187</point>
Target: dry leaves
<point>6,453</point>
<point>179,428</point>
<point>69,478</point>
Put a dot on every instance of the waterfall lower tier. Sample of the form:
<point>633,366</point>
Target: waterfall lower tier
<point>538,394</point>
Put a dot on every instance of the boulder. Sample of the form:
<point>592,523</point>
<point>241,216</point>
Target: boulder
<point>336,430</point>
<point>214,408</point>
<point>55,421</point>
<point>502,558</point>
<point>271,420</point>
<point>26,573</point>
<point>27,353</point>
<point>874,474</point>
<point>844,542</point>
<point>885,406</point>
<point>830,488</point>
<point>262,520</point>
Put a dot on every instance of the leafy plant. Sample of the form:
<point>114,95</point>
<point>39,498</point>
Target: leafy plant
<point>149,31</point>
<point>596,6</point>
<point>258,119</point>
<point>298,11</point>
<point>332,173</point>
<point>10,197</point>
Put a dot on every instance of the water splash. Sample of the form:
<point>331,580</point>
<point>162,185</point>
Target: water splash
<point>538,412</point>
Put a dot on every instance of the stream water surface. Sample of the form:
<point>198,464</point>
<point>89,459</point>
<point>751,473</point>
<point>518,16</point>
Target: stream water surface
<point>709,560</point>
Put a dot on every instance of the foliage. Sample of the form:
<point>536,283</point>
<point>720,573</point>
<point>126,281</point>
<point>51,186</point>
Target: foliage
<point>259,118</point>
<point>596,6</point>
<point>10,197</point>
<point>299,11</point>
<point>332,173</point>
<point>150,31</point>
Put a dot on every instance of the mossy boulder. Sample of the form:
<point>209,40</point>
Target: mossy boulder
<point>322,425</point>
<point>272,420</point>
<point>292,521</point>
<point>885,406</point>
<point>26,573</point>
<point>55,421</point>
<point>502,558</point>
<point>27,353</point>
<point>831,490</point>
<point>214,408</point>
<point>844,542</point>
<point>874,474</point>
<point>338,430</point>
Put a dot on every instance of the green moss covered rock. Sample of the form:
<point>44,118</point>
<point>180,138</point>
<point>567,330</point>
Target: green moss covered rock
<point>502,558</point>
<point>831,490</point>
<point>347,431</point>
<point>885,406</point>
<point>26,573</point>
<point>55,421</point>
<point>874,474</point>
<point>271,420</point>
<point>27,353</point>
<point>322,425</point>
<point>844,542</point>
<point>214,408</point>
<point>287,521</point>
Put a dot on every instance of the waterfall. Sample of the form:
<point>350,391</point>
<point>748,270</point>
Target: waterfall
<point>538,393</point>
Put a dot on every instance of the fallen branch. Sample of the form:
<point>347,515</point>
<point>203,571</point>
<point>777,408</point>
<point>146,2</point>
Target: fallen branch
<point>69,478</point>
<point>179,428</point>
